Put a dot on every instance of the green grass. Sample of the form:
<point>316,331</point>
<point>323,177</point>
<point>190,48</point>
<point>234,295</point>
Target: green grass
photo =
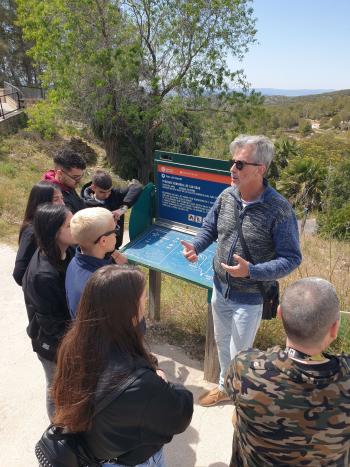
<point>24,157</point>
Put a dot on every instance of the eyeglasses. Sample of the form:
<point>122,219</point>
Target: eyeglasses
<point>106,234</point>
<point>241,164</point>
<point>76,178</point>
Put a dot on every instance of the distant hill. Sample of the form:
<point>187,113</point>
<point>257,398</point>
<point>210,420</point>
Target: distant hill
<point>279,99</point>
<point>291,92</point>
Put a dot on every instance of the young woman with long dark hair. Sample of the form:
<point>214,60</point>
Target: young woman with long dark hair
<point>103,349</point>
<point>42,192</point>
<point>43,286</point>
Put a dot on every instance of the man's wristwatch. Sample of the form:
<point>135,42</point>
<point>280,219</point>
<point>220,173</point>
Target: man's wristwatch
<point>124,208</point>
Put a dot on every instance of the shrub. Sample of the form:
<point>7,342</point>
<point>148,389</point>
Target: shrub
<point>42,118</point>
<point>335,223</point>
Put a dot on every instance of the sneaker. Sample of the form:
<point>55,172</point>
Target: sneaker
<point>213,397</point>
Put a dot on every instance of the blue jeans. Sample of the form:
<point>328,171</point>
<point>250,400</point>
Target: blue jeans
<point>49,368</point>
<point>157,460</point>
<point>235,327</point>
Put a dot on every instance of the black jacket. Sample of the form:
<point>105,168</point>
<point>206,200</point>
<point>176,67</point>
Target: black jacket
<point>118,197</point>
<point>71,198</point>
<point>26,249</point>
<point>141,420</point>
<point>45,299</point>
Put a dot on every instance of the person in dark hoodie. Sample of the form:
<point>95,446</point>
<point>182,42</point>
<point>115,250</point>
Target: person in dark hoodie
<point>68,171</point>
<point>103,350</point>
<point>42,192</point>
<point>100,192</point>
<point>43,287</point>
<point>93,229</point>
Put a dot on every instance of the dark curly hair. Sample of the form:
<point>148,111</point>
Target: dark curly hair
<point>68,159</point>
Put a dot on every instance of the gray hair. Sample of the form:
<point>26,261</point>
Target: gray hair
<point>264,148</point>
<point>309,308</point>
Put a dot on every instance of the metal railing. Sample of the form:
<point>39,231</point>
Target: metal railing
<point>12,98</point>
<point>32,92</point>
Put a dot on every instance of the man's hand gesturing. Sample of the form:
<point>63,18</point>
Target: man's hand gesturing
<point>240,270</point>
<point>189,252</point>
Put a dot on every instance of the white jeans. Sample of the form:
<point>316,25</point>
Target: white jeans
<point>235,328</point>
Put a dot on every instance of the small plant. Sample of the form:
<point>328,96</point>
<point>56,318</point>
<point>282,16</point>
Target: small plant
<point>42,119</point>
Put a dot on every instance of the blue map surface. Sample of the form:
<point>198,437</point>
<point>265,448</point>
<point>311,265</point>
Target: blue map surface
<point>159,248</point>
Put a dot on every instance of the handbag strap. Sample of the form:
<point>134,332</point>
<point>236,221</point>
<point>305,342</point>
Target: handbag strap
<point>118,391</point>
<point>239,222</point>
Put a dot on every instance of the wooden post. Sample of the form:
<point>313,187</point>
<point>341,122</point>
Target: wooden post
<point>211,361</point>
<point>155,279</point>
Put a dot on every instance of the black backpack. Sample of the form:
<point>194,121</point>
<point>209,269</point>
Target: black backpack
<point>57,448</point>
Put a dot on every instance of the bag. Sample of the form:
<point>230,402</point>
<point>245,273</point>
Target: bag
<point>56,448</point>
<point>270,295</point>
<point>271,302</point>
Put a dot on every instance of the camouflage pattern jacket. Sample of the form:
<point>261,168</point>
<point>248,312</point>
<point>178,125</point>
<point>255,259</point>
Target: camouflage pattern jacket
<point>289,413</point>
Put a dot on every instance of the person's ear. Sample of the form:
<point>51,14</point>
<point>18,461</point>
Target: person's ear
<point>279,312</point>
<point>333,332</point>
<point>135,321</point>
<point>59,173</point>
<point>262,170</point>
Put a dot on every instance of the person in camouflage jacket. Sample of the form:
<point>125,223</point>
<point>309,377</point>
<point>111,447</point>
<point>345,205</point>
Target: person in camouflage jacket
<point>292,405</point>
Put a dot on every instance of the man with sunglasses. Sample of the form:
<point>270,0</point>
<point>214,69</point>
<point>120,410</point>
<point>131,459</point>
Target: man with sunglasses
<point>69,170</point>
<point>270,231</point>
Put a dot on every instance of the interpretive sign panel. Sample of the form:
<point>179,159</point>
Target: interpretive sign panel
<point>159,248</point>
<point>185,194</point>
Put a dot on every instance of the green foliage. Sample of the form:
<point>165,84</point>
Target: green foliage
<point>285,149</point>
<point>15,65</point>
<point>118,71</point>
<point>42,118</point>
<point>338,191</point>
<point>335,223</point>
<point>303,182</point>
<point>305,127</point>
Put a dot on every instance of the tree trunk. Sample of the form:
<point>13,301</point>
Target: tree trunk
<point>146,170</point>
<point>111,147</point>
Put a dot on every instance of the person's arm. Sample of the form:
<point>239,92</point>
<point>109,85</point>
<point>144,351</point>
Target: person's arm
<point>126,198</point>
<point>232,380</point>
<point>132,193</point>
<point>287,249</point>
<point>26,250</point>
<point>169,411</point>
<point>51,307</point>
<point>206,235</point>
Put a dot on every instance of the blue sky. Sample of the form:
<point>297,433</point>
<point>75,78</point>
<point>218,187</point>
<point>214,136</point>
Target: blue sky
<point>301,44</point>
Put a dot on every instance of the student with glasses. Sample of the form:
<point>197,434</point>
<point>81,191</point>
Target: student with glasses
<point>93,229</point>
<point>68,171</point>
<point>270,231</point>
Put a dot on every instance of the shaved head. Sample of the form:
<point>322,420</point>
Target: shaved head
<point>310,307</point>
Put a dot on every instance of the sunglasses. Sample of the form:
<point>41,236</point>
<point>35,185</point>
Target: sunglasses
<point>106,234</point>
<point>241,164</point>
<point>76,178</point>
